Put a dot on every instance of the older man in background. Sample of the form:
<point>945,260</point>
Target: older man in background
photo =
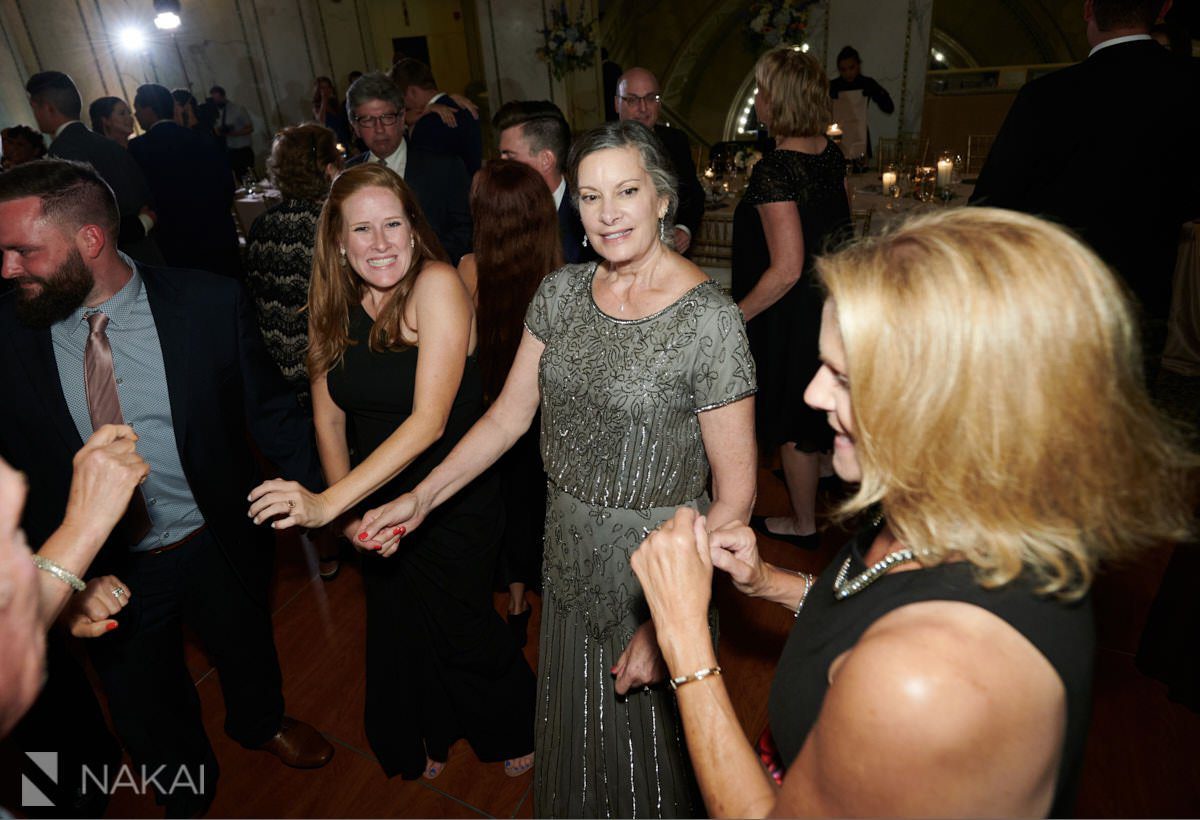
<point>640,98</point>
<point>376,110</point>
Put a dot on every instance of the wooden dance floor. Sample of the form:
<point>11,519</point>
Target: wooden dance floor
<point>1143,757</point>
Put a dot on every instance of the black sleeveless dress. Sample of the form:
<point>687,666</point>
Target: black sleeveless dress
<point>825,628</point>
<point>441,664</point>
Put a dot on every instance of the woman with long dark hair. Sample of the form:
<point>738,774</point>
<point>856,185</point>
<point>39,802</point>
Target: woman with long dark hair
<point>516,246</point>
<point>112,118</point>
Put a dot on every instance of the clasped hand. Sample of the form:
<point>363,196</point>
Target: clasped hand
<point>674,565</point>
<point>383,527</point>
<point>107,471</point>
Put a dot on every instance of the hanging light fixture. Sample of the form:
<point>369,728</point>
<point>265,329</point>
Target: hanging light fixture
<point>166,15</point>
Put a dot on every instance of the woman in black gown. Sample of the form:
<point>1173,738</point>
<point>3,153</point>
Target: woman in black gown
<point>394,386</point>
<point>794,208</point>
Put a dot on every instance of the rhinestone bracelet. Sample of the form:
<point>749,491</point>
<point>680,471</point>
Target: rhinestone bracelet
<point>809,580</point>
<point>695,676</point>
<point>68,578</point>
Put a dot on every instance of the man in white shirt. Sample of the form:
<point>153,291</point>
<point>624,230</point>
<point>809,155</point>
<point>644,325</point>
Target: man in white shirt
<point>375,107</point>
<point>535,133</point>
<point>235,126</point>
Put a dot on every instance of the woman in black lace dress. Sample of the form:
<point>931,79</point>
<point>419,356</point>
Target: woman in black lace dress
<point>279,245</point>
<point>794,208</point>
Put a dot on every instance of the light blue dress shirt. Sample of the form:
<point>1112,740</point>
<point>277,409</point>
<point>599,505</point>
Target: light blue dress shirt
<point>145,403</point>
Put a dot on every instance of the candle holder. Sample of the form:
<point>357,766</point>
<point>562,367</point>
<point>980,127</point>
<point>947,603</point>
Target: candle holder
<point>945,175</point>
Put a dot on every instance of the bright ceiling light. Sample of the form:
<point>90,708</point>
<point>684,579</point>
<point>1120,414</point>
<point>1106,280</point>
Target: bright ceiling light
<point>167,20</point>
<point>132,38</point>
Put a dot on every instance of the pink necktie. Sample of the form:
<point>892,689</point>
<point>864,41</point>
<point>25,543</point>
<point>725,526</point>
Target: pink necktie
<point>104,406</point>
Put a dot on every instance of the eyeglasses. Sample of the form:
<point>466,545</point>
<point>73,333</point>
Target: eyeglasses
<point>645,99</point>
<point>386,120</point>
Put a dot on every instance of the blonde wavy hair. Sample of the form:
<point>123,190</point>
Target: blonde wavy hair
<point>335,287</point>
<point>999,409</point>
<point>796,92</point>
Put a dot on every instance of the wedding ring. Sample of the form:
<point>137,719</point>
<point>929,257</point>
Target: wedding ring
<point>118,592</point>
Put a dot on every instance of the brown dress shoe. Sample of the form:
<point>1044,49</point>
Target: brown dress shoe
<point>299,745</point>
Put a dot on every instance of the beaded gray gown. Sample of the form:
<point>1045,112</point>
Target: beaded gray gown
<point>622,449</point>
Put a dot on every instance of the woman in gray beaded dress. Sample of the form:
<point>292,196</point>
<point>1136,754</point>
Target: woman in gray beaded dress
<point>645,380</point>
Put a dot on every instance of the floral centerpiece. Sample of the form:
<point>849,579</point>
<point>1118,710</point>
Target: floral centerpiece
<point>570,44</point>
<point>745,158</point>
<point>772,22</point>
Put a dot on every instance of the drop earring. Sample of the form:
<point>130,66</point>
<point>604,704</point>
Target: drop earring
<point>342,257</point>
<point>584,243</point>
<point>412,242</point>
<point>662,229</point>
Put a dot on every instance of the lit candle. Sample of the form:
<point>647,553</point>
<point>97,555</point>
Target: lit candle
<point>708,173</point>
<point>833,131</point>
<point>889,181</point>
<point>945,169</point>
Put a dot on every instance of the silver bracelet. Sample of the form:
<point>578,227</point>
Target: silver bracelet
<point>809,580</point>
<point>68,578</point>
<point>695,676</point>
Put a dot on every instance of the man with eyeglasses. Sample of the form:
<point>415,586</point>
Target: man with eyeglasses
<point>439,181</point>
<point>639,98</point>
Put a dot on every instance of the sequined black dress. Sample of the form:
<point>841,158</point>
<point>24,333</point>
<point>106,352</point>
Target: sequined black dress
<point>622,449</point>
<point>784,337</point>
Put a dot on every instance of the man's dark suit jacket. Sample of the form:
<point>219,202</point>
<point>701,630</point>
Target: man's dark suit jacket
<point>193,197</point>
<point>1107,147</point>
<point>464,140</point>
<point>117,167</point>
<point>441,185</point>
<point>691,195</point>
<point>570,229</point>
<point>223,387</point>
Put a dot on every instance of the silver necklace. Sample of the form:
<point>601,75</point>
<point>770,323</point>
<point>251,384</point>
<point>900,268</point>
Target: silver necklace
<point>843,589</point>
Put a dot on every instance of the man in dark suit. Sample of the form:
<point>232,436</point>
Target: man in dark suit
<point>192,186</point>
<point>535,133</point>
<point>178,356</point>
<point>1107,148</point>
<point>429,131</point>
<point>56,106</point>
<point>639,98</point>
<point>376,110</point>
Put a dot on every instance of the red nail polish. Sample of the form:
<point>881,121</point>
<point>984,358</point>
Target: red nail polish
<point>400,531</point>
<point>362,536</point>
<point>377,547</point>
<point>397,531</point>
<point>110,627</point>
